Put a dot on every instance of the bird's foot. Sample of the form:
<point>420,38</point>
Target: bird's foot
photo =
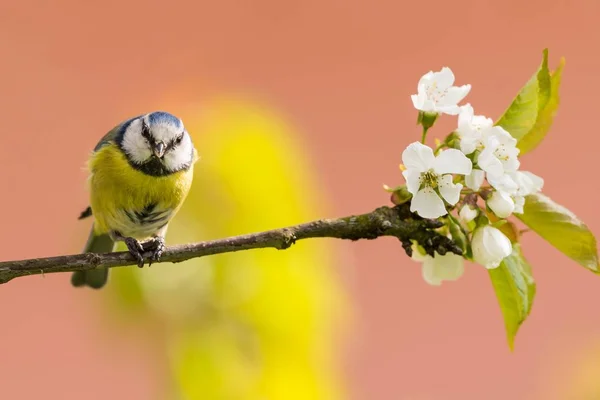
<point>135,249</point>
<point>156,245</point>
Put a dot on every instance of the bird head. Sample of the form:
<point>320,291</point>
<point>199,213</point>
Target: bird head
<point>157,144</point>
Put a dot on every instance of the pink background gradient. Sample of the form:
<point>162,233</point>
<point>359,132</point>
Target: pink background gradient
<point>343,72</point>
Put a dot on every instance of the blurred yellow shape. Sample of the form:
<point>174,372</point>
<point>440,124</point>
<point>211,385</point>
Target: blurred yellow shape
<point>259,324</point>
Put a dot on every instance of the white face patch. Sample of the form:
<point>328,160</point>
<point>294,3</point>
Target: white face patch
<point>139,148</point>
<point>134,144</point>
<point>180,155</point>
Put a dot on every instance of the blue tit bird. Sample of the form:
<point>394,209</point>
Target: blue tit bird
<point>140,174</point>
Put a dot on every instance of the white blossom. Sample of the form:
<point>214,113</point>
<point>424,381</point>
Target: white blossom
<point>517,184</point>
<point>527,183</point>
<point>497,153</point>
<point>448,267</point>
<point>471,129</point>
<point>500,154</point>
<point>436,93</point>
<point>467,214</point>
<point>428,177</point>
<point>490,246</point>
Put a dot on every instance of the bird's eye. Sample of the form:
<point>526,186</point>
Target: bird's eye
<point>178,139</point>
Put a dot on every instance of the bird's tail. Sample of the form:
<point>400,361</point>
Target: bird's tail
<point>94,278</point>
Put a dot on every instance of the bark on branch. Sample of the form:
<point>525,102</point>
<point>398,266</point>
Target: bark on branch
<point>395,221</point>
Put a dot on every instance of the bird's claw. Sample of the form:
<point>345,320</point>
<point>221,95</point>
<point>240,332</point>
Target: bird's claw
<point>157,247</point>
<point>136,250</point>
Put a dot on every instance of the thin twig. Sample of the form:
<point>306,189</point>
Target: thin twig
<point>395,221</point>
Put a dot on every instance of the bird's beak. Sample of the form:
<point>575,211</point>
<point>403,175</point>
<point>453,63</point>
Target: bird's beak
<point>159,149</point>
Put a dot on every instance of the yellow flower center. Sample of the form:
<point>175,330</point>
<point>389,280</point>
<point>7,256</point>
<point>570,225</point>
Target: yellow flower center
<point>435,94</point>
<point>501,153</point>
<point>429,178</point>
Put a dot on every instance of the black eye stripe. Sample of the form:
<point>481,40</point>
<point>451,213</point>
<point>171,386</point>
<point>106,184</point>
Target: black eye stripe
<point>146,132</point>
<point>176,141</point>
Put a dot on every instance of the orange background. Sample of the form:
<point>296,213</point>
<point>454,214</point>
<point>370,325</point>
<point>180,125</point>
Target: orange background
<point>343,72</point>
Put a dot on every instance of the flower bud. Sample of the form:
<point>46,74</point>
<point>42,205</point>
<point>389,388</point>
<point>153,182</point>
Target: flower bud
<point>448,267</point>
<point>501,204</point>
<point>467,214</point>
<point>490,246</point>
<point>435,270</point>
<point>427,119</point>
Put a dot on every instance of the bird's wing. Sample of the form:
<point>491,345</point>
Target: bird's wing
<point>113,133</point>
<point>107,139</point>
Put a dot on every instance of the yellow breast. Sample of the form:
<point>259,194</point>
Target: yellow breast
<point>126,200</point>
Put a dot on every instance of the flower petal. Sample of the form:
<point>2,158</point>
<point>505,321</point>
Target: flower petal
<point>467,214</point>
<point>528,182</point>
<point>452,161</point>
<point>444,78</point>
<point>488,162</point>
<point>429,106</point>
<point>511,164</point>
<point>413,181</point>
<point>501,204</point>
<point>504,183</point>
<point>519,203</point>
<point>455,95</point>
<point>417,101</point>
<point>537,183</point>
<point>481,122</point>
<point>425,80</point>
<point>468,144</point>
<point>428,204</point>
<point>448,267</point>
<point>418,156</point>
<point>496,244</point>
<point>449,191</point>
<point>500,134</point>
<point>475,179</point>
<point>429,272</point>
<point>465,116</point>
<point>450,110</point>
<point>490,246</point>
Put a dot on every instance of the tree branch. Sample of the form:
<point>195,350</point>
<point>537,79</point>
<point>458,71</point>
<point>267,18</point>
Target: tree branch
<point>395,221</point>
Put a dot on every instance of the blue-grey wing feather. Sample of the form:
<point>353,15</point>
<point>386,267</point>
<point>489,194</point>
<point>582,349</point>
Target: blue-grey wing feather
<point>114,134</point>
<point>108,138</point>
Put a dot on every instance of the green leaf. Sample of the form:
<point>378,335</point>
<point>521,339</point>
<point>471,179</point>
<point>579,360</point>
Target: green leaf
<point>561,228</point>
<point>530,116</point>
<point>515,291</point>
<point>545,116</point>
<point>528,275</point>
